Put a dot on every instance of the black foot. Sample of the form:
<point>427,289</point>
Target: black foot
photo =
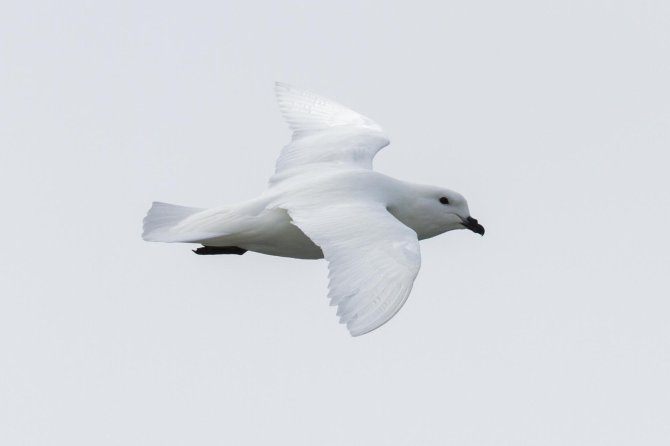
<point>213,250</point>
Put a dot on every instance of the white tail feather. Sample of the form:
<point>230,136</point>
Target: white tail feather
<point>162,219</point>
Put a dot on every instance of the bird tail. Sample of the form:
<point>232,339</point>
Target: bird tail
<point>165,223</point>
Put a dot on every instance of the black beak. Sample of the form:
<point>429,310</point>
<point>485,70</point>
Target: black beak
<point>473,225</point>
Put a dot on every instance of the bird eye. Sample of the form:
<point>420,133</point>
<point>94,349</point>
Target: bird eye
<point>444,200</point>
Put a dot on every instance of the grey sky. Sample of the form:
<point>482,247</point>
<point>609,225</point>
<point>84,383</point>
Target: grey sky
<point>552,118</point>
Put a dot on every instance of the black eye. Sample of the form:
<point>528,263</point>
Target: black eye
<point>444,200</point>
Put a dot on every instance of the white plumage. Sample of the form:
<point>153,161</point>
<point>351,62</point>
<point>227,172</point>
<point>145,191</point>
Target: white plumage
<point>324,200</point>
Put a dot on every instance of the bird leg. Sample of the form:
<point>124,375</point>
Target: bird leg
<point>213,250</point>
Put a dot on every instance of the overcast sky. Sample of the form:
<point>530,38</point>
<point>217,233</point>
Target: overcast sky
<point>552,118</point>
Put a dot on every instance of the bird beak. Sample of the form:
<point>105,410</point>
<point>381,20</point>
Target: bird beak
<point>473,225</point>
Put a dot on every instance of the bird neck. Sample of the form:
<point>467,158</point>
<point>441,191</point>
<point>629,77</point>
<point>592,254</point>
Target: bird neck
<point>410,205</point>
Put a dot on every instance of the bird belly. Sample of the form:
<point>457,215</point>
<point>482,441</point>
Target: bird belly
<point>271,232</point>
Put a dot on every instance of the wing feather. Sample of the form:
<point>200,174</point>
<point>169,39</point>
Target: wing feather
<point>325,131</point>
<point>305,111</point>
<point>373,260</point>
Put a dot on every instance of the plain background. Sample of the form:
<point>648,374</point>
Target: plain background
<point>552,118</point>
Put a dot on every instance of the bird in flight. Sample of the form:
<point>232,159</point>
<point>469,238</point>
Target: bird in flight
<point>325,201</point>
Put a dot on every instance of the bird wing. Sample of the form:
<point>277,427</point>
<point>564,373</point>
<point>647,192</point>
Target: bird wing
<point>325,132</point>
<point>372,257</point>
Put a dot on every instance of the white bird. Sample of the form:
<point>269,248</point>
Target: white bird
<point>324,200</point>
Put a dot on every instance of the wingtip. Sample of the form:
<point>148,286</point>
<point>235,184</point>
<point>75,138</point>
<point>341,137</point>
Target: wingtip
<point>281,87</point>
<point>355,333</point>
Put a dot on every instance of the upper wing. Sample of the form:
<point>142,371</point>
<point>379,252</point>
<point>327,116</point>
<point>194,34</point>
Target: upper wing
<point>373,260</point>
<point>325,131</point>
